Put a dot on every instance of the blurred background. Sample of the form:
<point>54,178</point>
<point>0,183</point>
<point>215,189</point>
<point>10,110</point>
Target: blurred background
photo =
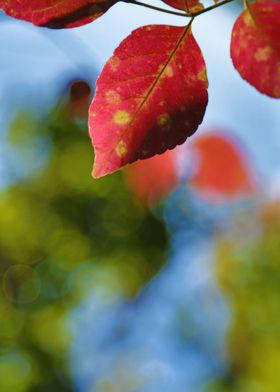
<point>164,276</point>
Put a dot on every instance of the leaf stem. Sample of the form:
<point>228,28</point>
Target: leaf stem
<point>185,14</point>
<point>156,8</point>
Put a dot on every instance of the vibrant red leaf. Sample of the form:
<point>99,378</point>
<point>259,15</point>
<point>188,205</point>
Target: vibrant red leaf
<point>150,96</point>
<point>186,5</point>
<point>151,179</point>
<point>56,13</point>
<point>255,46</point>
<point>221,170</point>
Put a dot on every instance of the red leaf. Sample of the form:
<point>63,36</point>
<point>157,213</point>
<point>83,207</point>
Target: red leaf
<point>56,14</point>
<point>221,169</point>
<point>79,99</point>
<point>255,46</point>
<point>151,179</point>
<point>185,5</point>
<point>150,96</point>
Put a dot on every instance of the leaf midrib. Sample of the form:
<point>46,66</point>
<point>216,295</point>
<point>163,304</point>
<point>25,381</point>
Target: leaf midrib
<point>154,84</point>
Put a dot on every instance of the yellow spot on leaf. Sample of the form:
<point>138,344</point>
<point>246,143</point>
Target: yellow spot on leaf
<point>202,75</point>
<point>121,149</point>
<point>114,63</point>
<point>112,97</point>
<point>263,54</point>
<point>248,19</point>
<point>163,120</point>
<point>169,71</point>
<point>121,117</point>
<point>197,8</point>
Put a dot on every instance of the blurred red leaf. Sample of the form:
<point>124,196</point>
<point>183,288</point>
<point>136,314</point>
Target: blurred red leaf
<point>56,14</point>
<point>150,96</point>
<point>186,5</point>
<point>151,179</point>
<point>255,46</point>
<point>79,98</point>
<point>221,170</point>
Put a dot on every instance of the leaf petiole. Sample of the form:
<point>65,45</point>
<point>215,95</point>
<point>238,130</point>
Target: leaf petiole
<point>185,14</point>
<point>156,8</point>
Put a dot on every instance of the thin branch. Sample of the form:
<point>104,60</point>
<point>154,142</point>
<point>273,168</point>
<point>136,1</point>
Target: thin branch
<point>156,8</point>
<point>212,7</point>
<point>185,14</point>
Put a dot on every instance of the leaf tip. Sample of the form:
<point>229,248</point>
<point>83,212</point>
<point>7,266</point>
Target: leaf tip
<point>97,171</point>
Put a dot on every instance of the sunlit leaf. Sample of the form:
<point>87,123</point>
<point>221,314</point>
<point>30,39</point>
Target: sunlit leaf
<point>56,14</point>
<point>151,95</point>
<point>255,46</point>
<point>186,5</point>
<point>221,170</point>
<point>150,179</point>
